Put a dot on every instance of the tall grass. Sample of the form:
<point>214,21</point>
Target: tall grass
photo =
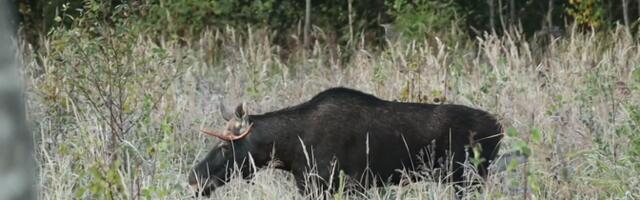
<point>117,117</point>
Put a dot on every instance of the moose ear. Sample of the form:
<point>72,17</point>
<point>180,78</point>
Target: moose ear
<point>226,115</point>
<point>241,111</point>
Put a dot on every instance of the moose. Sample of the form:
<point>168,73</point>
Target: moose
<point>369,139</point>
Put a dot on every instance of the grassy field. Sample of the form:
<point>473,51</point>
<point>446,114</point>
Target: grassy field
<point>117,116</point>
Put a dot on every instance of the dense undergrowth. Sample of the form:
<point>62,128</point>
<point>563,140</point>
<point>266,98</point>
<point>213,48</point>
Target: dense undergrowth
<point>116,115</point>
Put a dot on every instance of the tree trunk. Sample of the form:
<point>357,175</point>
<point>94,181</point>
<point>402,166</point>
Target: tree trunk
<point>549,17</point>
<point>492,22</point>
<point>512,13</point>
<point>307,23</point>
<point>503,24</point>
<point>625,12</point>
<point>350,14</point>
<point>17,172</point>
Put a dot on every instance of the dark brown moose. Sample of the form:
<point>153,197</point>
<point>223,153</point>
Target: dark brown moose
<point>371,140</point>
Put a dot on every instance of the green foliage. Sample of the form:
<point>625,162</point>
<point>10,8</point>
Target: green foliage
<point>536,136</point>
<point>340,191</point>
<point>632,129</point>
<point>420,18</point>
<point>522,145</point>
<point>589,13</point>
<point>476,160</point>
<point>190,17</point>
<point>636,78</point>
<point>340,20</point>
<point>106,183</point>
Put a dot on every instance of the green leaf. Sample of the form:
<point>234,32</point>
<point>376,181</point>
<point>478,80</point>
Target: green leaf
<point>534,183</point>
<point>522,147</point>
<point>636,75</point>
<point>148,193</point>
<point>79,193</point>
<point>513,165</point>
<point>512,132</point>
<point>536,135</point>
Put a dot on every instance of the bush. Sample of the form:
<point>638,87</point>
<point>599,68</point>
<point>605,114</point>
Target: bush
<point>420,18</point>
<point>340,21</point>
<point>587,13</point>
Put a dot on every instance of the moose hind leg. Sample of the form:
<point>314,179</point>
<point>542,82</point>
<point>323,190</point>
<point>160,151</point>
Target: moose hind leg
<point>455,170</point>
<point>314,185</point>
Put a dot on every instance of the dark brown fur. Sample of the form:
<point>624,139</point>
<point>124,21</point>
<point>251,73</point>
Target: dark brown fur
<point>339,123</point>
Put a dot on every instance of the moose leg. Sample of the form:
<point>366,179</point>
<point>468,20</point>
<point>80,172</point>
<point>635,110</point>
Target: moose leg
<point>460,183</point>
<point>310,185</point>
<point>300,183</point>
<point>450,160</point>
<point>316,182</point>
<point>458,180</point>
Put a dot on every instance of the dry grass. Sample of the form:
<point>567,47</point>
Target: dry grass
<point>579,96</point>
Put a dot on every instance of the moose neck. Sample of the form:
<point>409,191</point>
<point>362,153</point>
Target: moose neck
<point>277,132</point>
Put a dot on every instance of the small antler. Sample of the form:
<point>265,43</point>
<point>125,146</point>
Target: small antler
<point>229,137</point>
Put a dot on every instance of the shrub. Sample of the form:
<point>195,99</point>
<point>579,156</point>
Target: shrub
<point>420,18</point>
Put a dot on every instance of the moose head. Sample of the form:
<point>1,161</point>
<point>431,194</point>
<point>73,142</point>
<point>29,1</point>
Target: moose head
<point>231,153</point>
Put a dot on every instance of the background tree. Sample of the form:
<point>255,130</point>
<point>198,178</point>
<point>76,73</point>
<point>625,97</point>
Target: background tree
<point>339,21</point>
<point>16,148</point>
